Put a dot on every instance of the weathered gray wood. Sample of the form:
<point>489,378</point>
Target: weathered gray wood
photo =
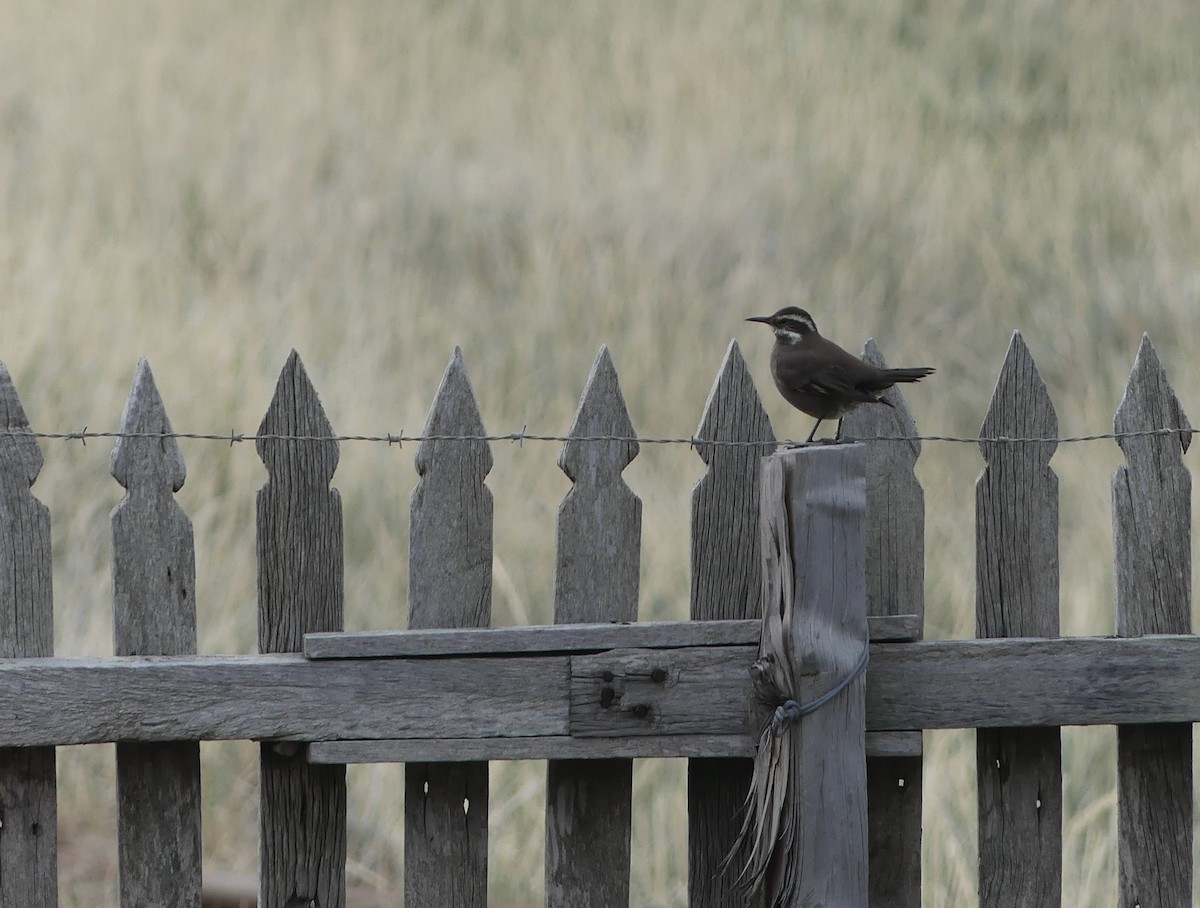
<point>588,804</point>
<point>1019,771</point>
<point>561,638</point>
<point>29,835</point>
<point>825,491</point>
<point>1152,537</point>
<point>90,700</point>
<point>534,747</point>
<point>895,628</point>
<point>450,585</point>
<point>154,613</point>
<point>931,684</point>
<point>726,583</point>
<point>564,747</point>
<point>600,519</point>
<point>302,817</point>
<point>1023,681</point>
<point>895,585</point>
<point>895,502</point>
<point>648,692</point>
<point>538,638</point>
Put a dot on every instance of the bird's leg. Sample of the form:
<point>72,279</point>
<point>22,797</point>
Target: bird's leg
<point>813,432</point>
<point>837,436</point>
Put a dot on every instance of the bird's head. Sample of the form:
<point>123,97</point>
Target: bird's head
<point>791,324</point>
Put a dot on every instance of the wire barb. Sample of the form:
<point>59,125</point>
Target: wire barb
<point>233,436</point>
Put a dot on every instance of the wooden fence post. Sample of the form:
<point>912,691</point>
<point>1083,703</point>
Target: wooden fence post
<point>154,614</point>
<point>726,583</point>
<point>450,585</point>
<point>302,820</point>
<point>588,802</point>
<point>814,501</point>
<point>1152,532</point>
<point>28,812</point>
<point>1019,770</point>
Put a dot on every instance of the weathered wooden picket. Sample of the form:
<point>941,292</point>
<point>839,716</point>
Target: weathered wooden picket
<point>598,689</point>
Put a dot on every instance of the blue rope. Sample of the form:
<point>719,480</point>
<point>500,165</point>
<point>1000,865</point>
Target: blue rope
<point>791,711</point>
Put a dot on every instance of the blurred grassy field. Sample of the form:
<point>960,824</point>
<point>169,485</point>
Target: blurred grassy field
<point>371,183</point>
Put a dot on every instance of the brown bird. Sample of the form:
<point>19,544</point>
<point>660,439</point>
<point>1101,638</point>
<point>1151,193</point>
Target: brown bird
<point>818,377</point>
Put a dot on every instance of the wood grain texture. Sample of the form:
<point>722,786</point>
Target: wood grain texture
<point>930,684</point>
<point>1152,540</point>
<point>565,747</point>
<point>29,837</point>
<point>302,816</point>
<point>726,583</point>
<point>449,585</point>
<point>543,638</point>
<point>600,519</point>
<point>895,502</point>
<point>1027,681</point>
<point>895,586</point>
<point>588,804</point>
<point>568,638</point>
<point>89,700</point>
<point>1019,771</point>
<point>652,692</point>
<point>825,488</point>
<point>154,613</point>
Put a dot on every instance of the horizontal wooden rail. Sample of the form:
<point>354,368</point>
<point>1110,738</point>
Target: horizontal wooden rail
<point>566,638</point>
<point>702,692</point>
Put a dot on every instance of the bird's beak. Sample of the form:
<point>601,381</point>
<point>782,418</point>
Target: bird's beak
<point>765,319</point>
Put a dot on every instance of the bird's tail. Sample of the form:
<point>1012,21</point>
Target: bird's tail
<point>908,375</point>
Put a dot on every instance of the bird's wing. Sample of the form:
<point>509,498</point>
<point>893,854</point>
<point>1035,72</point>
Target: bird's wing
<point>829,379</point>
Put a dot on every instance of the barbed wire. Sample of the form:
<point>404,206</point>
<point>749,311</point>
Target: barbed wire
<point>399,439</point>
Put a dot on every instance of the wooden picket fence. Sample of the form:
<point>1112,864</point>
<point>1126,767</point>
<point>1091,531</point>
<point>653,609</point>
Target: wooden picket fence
<point>598,689</point>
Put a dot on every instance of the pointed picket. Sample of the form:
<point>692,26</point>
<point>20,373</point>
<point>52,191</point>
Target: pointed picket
<point>29,836</point>
<point>726,583</point>
<point>600,520</point>
<point>599,555</point>
<point>1017,506</point>
<point>154,569</point>
<point>895,586</point>
<point>450,553</point>
<point>726,568</point>
<point>450,585</point>
<point>895,502</point>
<point>1019,771</point>
<point>154,614</point>
<point>1152,519</point>
<point>302,818</point>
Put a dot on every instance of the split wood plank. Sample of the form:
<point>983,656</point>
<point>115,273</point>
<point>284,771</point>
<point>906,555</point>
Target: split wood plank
<point>726,584</point>
<point>154,613</point>
<point>588,804</point>
<point>450,585</point>
<point>302,817</point>
<point>563,638</point>
<point>1019,771</point>
<point>530,639</point>
<point>895,585</point>
<point>29,835</point>
<point>1152,520</point>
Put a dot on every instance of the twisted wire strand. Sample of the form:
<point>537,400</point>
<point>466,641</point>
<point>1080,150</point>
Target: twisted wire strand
<point>234,437</point>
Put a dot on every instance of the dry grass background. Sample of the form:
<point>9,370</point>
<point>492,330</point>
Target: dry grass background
<point>210,185</point>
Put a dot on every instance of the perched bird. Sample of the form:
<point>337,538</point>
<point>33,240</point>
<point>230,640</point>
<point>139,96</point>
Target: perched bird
<point>818,377</point>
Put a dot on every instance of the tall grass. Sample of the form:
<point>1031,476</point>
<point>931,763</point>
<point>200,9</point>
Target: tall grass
<point>210,185</point>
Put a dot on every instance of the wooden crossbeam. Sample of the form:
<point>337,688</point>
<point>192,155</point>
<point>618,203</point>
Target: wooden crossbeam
<point>910,686</point>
